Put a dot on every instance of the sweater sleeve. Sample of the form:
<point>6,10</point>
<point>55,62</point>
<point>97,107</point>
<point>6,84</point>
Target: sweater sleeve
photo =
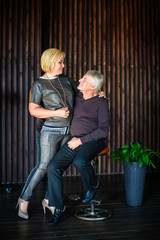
<point>101,132</point>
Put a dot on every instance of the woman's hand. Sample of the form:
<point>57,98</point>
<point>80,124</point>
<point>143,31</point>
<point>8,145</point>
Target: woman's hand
<point>63,113</point>
<point>74,143</point>
<point>102,94</point>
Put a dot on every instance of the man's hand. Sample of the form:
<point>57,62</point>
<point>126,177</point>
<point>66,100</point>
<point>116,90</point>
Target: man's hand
<point>74,143</point>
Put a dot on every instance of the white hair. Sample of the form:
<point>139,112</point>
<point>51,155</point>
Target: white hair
<point>97,79</point>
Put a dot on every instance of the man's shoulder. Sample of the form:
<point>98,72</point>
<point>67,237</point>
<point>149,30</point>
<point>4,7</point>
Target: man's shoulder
<point>101,100</point>
<point>101,103</point>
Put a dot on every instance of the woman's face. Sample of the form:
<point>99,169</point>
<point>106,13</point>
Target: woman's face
<point>58,66</point>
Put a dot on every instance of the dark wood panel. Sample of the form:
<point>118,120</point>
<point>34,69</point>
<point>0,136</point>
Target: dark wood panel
<point>20,51</point>
<point>119,38</point>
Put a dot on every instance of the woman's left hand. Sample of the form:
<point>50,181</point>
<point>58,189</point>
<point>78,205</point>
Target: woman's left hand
<point>102,94</point>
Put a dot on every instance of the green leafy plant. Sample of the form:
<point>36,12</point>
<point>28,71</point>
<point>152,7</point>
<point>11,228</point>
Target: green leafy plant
<point>135,153</point>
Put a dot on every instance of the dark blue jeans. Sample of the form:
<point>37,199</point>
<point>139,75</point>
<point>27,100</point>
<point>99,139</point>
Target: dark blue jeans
<point>81,158</point>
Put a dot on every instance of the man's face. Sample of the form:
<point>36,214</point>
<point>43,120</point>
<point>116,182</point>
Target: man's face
<point>85,83</point>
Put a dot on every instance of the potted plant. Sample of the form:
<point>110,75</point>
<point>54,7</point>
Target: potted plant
<point>135,159</point>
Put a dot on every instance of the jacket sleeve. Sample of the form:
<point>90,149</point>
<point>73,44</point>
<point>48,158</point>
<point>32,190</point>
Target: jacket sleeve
<point>35,94</point>
<point>74,85</point>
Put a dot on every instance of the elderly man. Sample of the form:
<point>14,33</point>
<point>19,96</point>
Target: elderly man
<point>89,128</point>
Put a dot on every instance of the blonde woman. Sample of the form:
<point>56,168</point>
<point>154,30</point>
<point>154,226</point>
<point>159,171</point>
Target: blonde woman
<point>51,98</point>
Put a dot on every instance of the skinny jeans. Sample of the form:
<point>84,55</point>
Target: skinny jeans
<point>81,158</point>
<point>38,134</point>
<point>50,142</point>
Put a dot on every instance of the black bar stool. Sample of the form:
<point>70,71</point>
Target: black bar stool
<point>93,213</point>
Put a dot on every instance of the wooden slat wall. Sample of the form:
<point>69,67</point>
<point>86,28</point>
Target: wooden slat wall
<point>120,38</point>
<point>20,28</point>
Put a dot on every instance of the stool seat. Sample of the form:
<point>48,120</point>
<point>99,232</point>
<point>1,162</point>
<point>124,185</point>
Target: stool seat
<point>104,151</point>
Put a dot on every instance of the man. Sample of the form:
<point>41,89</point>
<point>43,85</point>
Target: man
<point>89,128</point>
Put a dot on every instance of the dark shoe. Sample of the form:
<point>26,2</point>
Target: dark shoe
<point>89,195</point>
<point>57,217</point>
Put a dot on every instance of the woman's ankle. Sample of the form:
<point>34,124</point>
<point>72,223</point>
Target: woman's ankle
<point>24,206</point>
<point>46,200</point>
<point>52,210</point>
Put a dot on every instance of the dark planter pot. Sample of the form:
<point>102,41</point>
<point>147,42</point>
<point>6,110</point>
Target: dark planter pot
<point>134,178</point>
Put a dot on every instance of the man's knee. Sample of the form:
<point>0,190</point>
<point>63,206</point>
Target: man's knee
<point>52,168</point>
<point>79,163</point>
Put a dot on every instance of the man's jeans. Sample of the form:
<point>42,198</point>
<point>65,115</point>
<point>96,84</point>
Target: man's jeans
<point>81,158</point>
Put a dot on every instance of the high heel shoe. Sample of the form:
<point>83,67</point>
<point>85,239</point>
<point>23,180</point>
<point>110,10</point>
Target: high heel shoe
<point>45,205</point>
<point>20,213</point>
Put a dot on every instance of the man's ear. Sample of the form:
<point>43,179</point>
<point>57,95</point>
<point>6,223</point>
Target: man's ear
<point>93,88</point>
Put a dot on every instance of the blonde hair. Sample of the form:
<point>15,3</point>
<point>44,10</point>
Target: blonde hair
<point>49,57</point>
<point>97,79</point>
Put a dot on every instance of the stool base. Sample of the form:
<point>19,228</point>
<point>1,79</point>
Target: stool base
<point>93,213</point>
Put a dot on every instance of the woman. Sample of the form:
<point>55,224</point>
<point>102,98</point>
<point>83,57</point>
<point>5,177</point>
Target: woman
<point>51,98</point>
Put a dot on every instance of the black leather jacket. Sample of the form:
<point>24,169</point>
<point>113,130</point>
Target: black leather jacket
<point>42,93</point>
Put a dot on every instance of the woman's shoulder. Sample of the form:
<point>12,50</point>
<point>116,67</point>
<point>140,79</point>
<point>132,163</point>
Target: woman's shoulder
<point>63,77</point>
<point>38,85</point>
<point>40,81</point>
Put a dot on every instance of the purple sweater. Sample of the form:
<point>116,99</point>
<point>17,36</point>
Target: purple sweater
<point>91,118</point>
